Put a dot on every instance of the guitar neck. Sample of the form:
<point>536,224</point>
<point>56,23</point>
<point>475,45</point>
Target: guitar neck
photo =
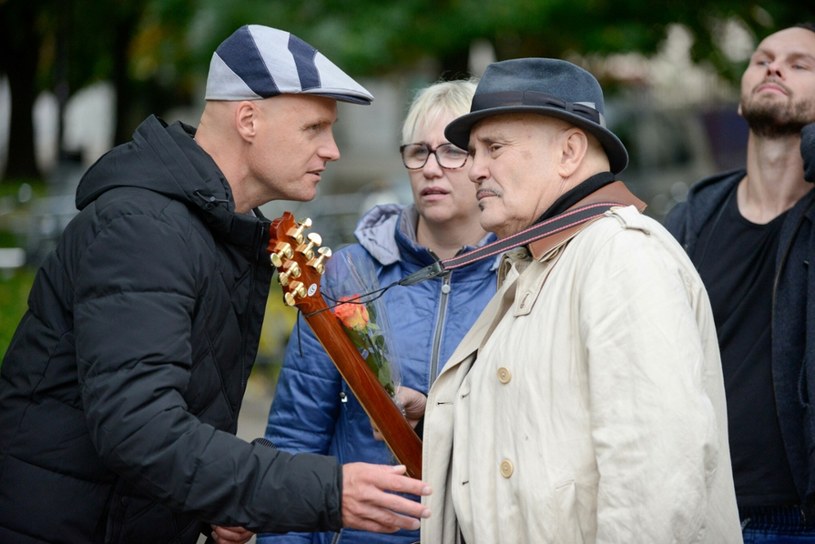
<point>300,263</point>
<point>394,428</point>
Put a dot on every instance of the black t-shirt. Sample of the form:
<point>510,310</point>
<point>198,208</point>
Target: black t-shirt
<point>736,260</point>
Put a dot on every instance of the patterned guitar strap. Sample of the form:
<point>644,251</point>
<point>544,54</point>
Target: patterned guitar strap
<point>542,236</point>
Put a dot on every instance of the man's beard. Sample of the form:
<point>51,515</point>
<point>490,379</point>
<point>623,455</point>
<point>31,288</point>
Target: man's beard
<point>770,119</point>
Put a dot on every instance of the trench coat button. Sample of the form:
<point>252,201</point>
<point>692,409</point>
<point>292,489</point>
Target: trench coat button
<point>504,375</point>
<point>506,468</point>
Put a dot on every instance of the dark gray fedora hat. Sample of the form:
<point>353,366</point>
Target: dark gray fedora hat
<point>551,87</point>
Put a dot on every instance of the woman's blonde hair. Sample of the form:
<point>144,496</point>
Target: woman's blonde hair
<point>444,97</point>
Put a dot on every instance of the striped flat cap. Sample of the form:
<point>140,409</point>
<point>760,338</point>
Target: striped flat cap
<point>258,62</point>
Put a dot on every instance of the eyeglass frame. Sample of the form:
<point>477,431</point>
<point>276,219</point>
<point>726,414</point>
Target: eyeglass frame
<point>432,151</point>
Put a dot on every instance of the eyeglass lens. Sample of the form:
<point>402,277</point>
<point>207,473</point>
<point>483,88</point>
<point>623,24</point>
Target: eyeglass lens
<point>415,156</point>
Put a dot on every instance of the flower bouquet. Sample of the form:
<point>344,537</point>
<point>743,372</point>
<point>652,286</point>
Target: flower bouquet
<point>363,317</point>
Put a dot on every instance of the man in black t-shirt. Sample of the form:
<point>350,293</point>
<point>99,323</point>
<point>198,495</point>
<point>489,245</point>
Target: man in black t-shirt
<point>751,234</point>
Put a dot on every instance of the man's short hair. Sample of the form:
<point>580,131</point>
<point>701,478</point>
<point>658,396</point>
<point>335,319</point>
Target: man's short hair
<point>808,25</point>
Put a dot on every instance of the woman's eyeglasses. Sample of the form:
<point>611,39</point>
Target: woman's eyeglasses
<point>414,156</point>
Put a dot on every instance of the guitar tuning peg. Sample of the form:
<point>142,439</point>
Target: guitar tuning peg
<point>291,270</point>
<point>314,239</point>
<point>282,250</point>
<point>319,263</point>
<point>297,233</point>
<point>296,289</point>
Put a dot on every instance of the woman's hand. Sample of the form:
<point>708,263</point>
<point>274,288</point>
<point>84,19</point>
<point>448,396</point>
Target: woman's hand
<point>412,404</point>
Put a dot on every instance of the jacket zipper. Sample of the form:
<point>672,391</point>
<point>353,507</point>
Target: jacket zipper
<point>439,329</point>
<point>344,401</point>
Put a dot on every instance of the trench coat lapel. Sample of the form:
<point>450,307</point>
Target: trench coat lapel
<point>485,324</point>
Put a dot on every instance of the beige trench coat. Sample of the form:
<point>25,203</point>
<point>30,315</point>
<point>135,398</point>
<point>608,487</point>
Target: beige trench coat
<point>586,404</point>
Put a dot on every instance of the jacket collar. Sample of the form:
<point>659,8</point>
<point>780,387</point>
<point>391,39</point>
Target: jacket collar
<point>615,191</point>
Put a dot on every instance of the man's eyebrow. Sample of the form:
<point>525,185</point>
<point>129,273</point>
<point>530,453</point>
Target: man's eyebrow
<point>321,122</point>
<point>490,138</point>
<point>487,140</point>
<point>803,55</point>
<point>478,139</point>
<point>795,55</point>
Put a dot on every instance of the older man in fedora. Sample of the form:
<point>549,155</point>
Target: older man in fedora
<point>586,404</point>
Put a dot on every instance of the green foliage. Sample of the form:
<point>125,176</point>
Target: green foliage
<point>16,199</point>
<point>368,37</point>
<point>13,188</point>
<point>156,52</point>
<point>14,290</point>
<point>277,326</point>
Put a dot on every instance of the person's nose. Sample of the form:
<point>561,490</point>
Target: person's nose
<point>774,68</point>
<point>329,150</point>
<point>478,170</point>
<point>432,168</point>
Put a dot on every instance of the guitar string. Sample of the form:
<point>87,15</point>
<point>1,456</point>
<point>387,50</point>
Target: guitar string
<point>371,296</point>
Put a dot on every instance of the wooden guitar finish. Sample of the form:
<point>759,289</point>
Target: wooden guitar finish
<point>300,263</point>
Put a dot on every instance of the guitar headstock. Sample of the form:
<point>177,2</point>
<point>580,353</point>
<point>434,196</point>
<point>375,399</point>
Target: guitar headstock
<point>299,260</point>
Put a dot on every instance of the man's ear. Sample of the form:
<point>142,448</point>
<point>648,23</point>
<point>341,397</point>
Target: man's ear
<point>574,146</point>
<point>246,119</point>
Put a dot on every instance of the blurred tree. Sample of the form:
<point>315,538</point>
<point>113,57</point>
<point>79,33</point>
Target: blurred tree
<point>21,37</point>
<point>372,37</point>
<point>140,46</point>
<point>154,51</point>
<point>63,45</point>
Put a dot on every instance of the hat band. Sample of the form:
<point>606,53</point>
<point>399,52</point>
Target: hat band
<point>485,101</point>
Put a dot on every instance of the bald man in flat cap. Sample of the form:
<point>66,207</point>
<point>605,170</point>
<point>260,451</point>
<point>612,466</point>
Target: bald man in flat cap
<point>120,391</point>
